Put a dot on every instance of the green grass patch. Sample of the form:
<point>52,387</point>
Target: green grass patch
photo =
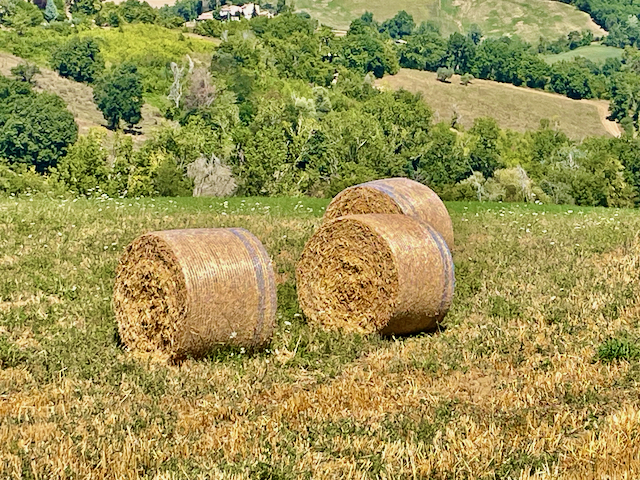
<point>619,348</point>
<point>596,53</point>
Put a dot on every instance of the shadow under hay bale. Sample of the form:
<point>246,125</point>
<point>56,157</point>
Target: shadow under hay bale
<point>394,195</point>
<point>376,273</point>
<point>185,292</point>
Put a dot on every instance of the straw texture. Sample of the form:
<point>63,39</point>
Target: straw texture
<point>183,292</point>
<point>365,273</point>
<point>394,195</point>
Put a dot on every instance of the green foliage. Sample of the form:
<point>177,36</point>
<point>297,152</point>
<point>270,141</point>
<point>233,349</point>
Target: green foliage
<point>426,51</point>
<point>17,179</point>
<point>79,59</point>
<point>20,15</point>
<point>400,26</point>
<point>35,128</point>
<point>85,7</point>
<point>618,348</point>
<point>84,169</point>
<point>25,72</point>
<point>118,95</point>
<point>444,74</point>
<point>51,11</point>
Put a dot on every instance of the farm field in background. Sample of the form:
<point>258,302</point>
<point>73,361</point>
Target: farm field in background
<point>596,53</point>
<point>530,20</point>
<point>515,108</point>
<point>524,377</point>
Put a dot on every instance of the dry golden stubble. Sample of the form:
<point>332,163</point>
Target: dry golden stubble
<point>184,292</point>
<point>376,273</point>
<point>394,196</point>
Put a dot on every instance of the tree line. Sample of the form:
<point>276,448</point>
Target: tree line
<point>285,108</point>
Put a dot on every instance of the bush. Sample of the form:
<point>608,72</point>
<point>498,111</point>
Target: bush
<point>444,74</point>
<point>18,179</point>
<point>79,59</point>
<point>25,72</point>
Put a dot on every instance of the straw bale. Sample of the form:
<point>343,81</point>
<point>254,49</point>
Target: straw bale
<point>394,195</point>
<point>184,292</point>
<point>365,273</point>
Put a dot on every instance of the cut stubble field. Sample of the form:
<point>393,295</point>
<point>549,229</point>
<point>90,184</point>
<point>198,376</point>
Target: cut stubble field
<point>511,386</point>
<point>514,108</point>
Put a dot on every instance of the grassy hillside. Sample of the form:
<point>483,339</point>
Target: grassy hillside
<point>529,19</point>
<point>516,108</point>
<point>596,53</point>
<point>536,370</point>
<point>79,98</point>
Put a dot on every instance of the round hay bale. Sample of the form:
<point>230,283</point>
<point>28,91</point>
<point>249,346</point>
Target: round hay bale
<point>365,273</point>
<point>183,292</point>
<point>394,195</point>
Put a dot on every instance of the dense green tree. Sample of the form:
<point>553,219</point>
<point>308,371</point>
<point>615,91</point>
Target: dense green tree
<point>51,11</point>
<point>118,95</point>
<point>20,15</point>
<point>367,53</point>
<point>426,51</point>
<point>442,162</point>
<point>400,26</point>
<point>79,58</point>
<point>460,53</point>
<point>572,80</point>
<point>475,34</point>
<point>35,128</point>
<point>625,97</point>
<point>85,7</point>
<point>138,12</point>
<point>484,156</point>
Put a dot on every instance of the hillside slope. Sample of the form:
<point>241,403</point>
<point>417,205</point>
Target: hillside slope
<point>528,19</point>
<point>516,108</point>
<point>78,97</point>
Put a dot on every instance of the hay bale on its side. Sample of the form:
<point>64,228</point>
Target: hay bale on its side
<point>386,273</point>
<point>394,195</point>
<point>184,292</point>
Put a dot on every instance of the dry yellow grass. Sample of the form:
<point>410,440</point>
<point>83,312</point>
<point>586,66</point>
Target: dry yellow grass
<point>511,388</point>
<point>516,108</point>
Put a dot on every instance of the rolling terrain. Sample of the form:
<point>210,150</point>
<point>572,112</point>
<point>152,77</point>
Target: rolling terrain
<point>528,19</point>
<point>516,108</point>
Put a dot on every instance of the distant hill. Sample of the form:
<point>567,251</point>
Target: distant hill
<point>530,20</point>
<point>596,53</point>
<point>516,108</point>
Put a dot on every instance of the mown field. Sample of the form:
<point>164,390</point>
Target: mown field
<point>528,19</point>
<point>535,372</point>
<point>514,108</point>
<point>596,53</point>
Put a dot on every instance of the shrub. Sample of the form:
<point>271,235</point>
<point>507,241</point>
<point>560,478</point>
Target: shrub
<point>79,59</point>
<point>444,74</point>
<point>25,72</point>
<point>18,179</point>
